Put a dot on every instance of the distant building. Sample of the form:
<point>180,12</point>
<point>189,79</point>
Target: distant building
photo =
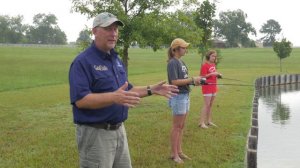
<point>218,43</point>
<point>259,44</point>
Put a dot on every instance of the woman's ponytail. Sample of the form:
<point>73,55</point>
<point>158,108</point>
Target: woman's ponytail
<point>170,54</point>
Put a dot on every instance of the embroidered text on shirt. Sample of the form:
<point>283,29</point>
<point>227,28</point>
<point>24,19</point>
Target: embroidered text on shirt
<point>100,68</point>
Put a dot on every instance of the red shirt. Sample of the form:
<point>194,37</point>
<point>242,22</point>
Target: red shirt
<point>207,68</point>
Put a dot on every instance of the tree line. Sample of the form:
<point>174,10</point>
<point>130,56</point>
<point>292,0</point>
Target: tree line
<point>151,24</point>
<point>44,30</point>
<point>147,24</point>
<point>231,26</point>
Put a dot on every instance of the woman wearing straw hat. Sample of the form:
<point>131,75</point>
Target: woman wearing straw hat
<point>180,104</point>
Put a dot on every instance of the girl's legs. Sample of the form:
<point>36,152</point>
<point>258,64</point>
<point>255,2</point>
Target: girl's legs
<point>205,116</point>
<point>180,107</point>
<point>176,136</point>
<point>209,112</point>
<point>180,152</point>
<point>179,149</point>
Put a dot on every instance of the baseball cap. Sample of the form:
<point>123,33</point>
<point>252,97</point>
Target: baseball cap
<point>178,42</point>
<point>105,19</point>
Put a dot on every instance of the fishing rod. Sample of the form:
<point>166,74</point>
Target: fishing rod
<point>203,82</point>
<point>232,79</point>
<point>220,76</point>
<point>232,84</point>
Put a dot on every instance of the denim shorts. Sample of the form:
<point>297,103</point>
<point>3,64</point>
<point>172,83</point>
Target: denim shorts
<point>180,104</point>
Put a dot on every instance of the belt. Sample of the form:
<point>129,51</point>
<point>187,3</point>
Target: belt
<point>106,126</point>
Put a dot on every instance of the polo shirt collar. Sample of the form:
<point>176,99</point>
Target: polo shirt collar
<point>104,55</point>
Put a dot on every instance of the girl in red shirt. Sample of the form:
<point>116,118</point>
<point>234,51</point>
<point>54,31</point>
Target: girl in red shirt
<point>208,71</point>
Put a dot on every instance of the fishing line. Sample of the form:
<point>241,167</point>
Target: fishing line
<point>233,79</point>
<point>203,82</point>
<point>232,84</point>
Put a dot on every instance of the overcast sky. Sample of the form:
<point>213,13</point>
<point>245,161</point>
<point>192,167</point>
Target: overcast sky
<point>258,11</point>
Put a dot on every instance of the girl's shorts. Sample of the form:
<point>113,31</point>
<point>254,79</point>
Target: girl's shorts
<point>210,94</point>
<point>180,104</point>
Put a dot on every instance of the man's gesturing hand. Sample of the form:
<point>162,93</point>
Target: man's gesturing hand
<point>126,98</point>
<point>164,89</point>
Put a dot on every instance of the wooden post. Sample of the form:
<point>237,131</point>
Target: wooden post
<point>254,122</point>
<point>254,132</point>
<point>251,158</point>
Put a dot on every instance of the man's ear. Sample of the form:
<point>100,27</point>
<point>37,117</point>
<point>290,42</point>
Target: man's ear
<point>94,30</point>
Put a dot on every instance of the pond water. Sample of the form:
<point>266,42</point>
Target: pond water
<point>279,127</point>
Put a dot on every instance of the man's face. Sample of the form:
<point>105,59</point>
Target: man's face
<point>106,37</point>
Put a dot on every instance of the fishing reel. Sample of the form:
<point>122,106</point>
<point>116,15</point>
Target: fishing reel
<point>203,81</point>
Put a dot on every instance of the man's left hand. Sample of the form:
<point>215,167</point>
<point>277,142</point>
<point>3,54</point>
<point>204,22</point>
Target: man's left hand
<point>164,89</point>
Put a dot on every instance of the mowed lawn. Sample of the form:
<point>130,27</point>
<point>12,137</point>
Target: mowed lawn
<point>37,130</point>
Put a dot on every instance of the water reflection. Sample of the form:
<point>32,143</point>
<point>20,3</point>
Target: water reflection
<point>272,98</point>
<point>281,113</point>
<point>278,122</point>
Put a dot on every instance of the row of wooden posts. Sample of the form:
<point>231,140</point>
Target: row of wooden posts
<point>252,139</point>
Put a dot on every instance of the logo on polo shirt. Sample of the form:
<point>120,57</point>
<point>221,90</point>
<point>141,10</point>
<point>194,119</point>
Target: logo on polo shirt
<point>100,68</point>
<point>119,64</point>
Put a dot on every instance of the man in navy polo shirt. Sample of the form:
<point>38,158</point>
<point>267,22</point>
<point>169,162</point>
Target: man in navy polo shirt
<point>101,95</point>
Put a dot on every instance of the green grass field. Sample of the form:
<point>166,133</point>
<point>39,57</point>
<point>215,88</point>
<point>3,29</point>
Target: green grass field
<point>37,130</point>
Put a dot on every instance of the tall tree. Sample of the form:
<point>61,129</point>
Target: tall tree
<point>145,20</point>
<point>11,29</point>
<point>84,35</point>
<point>166,27</point>
<point>283,49</point>
<point>271,29</point>
<point>233,27</point>
<point>204,20</point>
<point>84,38</point>
<point>45,30</point>
<point>4,28</point>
